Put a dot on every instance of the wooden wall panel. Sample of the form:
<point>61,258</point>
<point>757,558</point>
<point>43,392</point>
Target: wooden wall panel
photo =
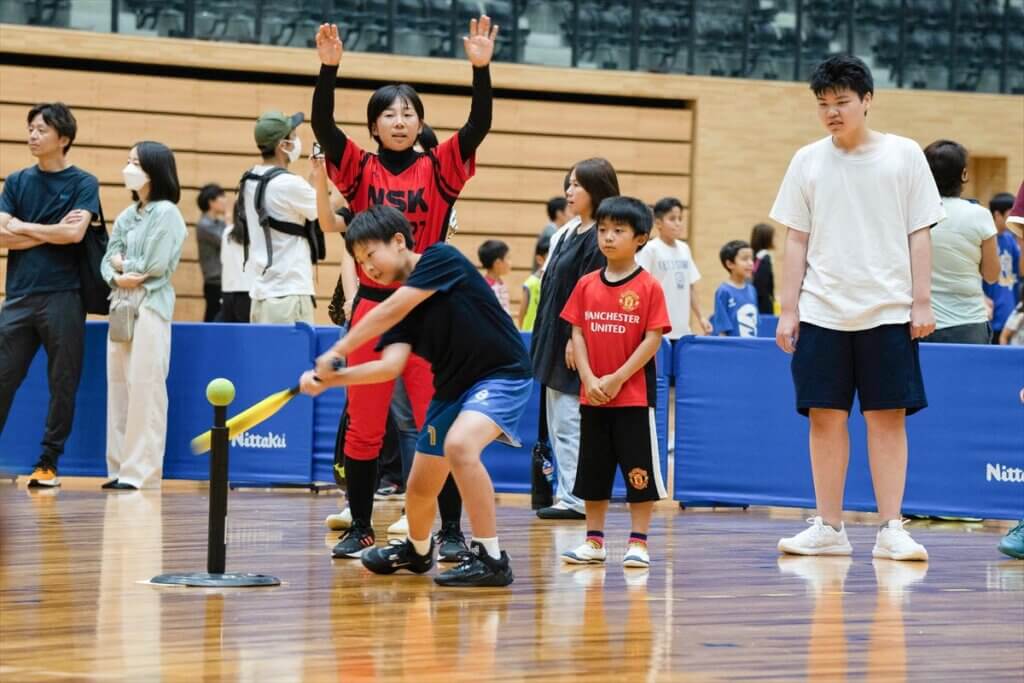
<point>725,156</point>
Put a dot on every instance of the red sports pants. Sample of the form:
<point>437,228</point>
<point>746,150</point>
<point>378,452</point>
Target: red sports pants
<point>368,404</point>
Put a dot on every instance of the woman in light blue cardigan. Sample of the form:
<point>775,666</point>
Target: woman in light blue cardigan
<point>143,253</point>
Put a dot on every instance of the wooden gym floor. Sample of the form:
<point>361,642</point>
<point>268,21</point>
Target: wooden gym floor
<point>718,603</point>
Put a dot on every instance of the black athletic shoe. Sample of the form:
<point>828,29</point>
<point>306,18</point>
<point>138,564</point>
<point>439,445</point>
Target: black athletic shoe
<point>353,542</point>
<point>398,555</point>
<point>451,542</point>
<point>477,568</point>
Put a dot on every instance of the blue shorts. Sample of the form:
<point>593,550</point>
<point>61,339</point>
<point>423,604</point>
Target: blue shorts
<point>501,400</point>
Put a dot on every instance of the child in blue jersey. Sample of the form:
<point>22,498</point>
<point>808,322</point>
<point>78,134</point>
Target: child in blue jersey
<point>736,299</point>
<point>446,313</point>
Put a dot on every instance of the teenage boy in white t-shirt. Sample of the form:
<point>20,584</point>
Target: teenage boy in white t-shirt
<point>669,260</point>
<point>856,299</point>
<point>283,291</point>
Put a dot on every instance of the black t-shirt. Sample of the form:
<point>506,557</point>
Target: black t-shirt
<point>34,196</point>
<point>461,329</point>
<point>574,256</point>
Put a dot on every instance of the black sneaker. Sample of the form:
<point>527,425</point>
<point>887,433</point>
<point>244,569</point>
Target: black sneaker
<point>451,542</point>
<point>398,555</point>
<point>477,568</point>
<point>353,542</point>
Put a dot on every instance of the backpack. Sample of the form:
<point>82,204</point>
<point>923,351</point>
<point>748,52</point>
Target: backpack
<point>95,290</point>
<point>310,229</point>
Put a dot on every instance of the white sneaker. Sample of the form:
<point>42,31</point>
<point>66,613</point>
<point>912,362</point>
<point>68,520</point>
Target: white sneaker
<point>399,528</point>
<point>636,556</point>
<point>818,539</point>
<point>585,553</point>
<point>340,521</point>
<point>894,543</point>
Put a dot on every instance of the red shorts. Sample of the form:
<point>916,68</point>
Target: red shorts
<point>368,404</point>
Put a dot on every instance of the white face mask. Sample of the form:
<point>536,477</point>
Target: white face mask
<point>295,151</point>
<point>134,177</point>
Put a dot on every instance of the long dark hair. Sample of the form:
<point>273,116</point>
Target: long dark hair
<point>762,237</point>
<point>382,98</point>
<point>157,160</point>
<point>597,177</point>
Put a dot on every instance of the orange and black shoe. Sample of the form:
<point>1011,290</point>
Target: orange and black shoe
<point>44,476</point>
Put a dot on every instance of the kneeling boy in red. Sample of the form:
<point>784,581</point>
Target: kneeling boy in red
<point>445,313</point>
<point>618,316</point>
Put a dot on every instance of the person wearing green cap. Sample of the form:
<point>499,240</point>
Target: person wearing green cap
<point>280,256</point>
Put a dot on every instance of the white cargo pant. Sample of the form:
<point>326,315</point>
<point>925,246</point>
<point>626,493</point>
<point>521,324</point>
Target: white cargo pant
<point>137,402</point>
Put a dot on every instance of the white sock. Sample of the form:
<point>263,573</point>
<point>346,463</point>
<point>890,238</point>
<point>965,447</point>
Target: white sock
<point>490,545</point>
<point>421,547</point>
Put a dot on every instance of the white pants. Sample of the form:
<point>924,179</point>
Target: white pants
<point>563,411</point>
<point>137,402</point>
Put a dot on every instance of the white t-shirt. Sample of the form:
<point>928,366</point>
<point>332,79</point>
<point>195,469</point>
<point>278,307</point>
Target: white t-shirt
<point>288,198</point>
<point>234,276</point>
<point>859,209</point>
<point>673,268</point>
<point>957,298</point>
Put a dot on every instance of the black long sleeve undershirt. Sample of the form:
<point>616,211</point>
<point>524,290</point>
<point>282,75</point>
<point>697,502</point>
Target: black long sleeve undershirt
<point>332,139</point>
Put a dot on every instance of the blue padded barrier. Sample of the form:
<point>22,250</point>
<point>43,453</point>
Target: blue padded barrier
<point>327,409</point>
<point>258,359</point>
<point>739,439</point>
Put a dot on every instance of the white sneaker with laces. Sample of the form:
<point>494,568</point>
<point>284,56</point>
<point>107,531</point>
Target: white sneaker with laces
<point>894,543</point>
<point>585,553</point>
<point>340,521</point>
<point>399,528</point>
<point>636,556</point>
<point>818,539</point>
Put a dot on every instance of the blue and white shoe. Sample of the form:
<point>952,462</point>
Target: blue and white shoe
<point>636,556</point>
<point>585,553</point>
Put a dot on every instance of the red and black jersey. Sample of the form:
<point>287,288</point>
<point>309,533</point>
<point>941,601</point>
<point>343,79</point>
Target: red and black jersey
<point>424,192</point>
<point>614,317</point>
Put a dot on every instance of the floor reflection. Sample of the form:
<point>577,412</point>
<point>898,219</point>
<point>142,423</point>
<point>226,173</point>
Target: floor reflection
<point>828,655</point>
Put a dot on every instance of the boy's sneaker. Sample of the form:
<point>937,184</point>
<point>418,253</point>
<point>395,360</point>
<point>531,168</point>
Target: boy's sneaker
<point>43,475</point>
<point>477,568</point>
<point>390,492</point>
<point>357,539</point>
<point>399,528</point>
<point>451,542</point>
<point>398,555</point>
<point>636,556</point>
<point>340,521</point>
<point>894,543</point>
<point>1013,542</point>
<point>818,539</point>
<point>585,553</point>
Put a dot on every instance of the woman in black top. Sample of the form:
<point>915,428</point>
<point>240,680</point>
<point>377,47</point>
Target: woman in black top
<point>762,241</point>
<point>574,253</point>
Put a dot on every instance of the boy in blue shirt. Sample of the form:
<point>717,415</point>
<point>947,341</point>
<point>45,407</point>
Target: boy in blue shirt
<point>445,313</point>
<point>736,299</point>
<point>1003,293</point>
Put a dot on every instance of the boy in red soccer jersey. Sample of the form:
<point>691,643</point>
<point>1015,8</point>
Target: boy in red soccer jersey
<point>618,316</point>
<point>423,186</point>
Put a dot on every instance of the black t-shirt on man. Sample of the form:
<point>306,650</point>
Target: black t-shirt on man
<point>461,329</point>
<point>35,196</point>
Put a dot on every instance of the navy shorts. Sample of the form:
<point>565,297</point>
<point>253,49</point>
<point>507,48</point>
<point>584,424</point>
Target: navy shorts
<point>501,400</point>
<point>881,365</point>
